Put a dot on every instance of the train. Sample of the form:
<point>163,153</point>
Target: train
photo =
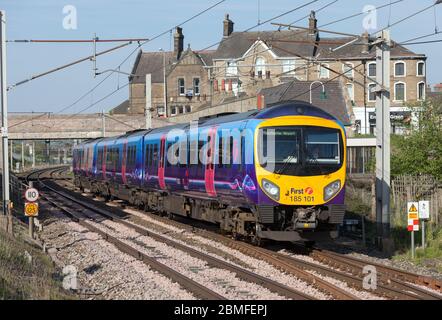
<point>272,174</point>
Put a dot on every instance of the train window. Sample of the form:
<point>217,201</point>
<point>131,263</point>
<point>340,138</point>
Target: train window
<point>99,159</point>
<point>220,152</point>
<point>201,145</point>
<point>131,157</point>
<point>147,158</point>
<point>117,160</point>
<point>150,155</point>
<point>155,155</point>
<point>229,152</point>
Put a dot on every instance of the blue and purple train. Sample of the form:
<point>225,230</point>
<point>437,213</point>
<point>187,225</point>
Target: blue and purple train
<point>277,173</point>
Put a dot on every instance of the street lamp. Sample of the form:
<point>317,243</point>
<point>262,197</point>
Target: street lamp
<point>323,94</point>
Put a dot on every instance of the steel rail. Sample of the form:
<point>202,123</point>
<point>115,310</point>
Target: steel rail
<point>215,262</point>
<point>388,275</point>
<point>187,283</point>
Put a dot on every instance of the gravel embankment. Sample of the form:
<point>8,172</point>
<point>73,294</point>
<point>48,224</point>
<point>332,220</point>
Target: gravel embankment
<point>104,272</point>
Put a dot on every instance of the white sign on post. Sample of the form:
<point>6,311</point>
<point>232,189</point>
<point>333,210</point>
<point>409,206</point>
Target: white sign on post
<point>424,210</point>
<point>31,194</point>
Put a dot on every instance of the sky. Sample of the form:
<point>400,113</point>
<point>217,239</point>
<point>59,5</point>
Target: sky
<point>45,19</point>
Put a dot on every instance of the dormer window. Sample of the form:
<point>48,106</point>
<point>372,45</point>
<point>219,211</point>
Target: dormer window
<point>231,69</point>
<point>260,67</point>
<point>324,72</point>
<point>288,67</point>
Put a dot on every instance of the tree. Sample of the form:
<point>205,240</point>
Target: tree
<point>420,152</point>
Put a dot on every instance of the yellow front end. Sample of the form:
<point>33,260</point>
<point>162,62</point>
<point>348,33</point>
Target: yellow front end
<point>300,190</point>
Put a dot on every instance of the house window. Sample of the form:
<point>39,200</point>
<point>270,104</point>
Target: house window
<point>323,71</point>
<point>180,109</point>
<point>188,109</point>
<point>288,67</point>
<point>260,67</point>
<point>196,86</point>
<point>181,87</point>
<point>350,91</point>
<point>372,69</point>
<point>232,68</point>
<point>399,69</point>
<point>420,69</point>
<point>173,110</point>
<point>399,91</point>
<point>371,92</point>
<point>160,110</point>
<point>347,68</point>
<point>421,91</point>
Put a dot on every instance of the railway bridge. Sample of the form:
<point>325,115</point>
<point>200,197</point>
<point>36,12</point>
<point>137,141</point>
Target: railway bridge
<point>46,138</point>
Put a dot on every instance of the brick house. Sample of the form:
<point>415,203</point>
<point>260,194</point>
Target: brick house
<point>247,62</point>
<point>185,78</point>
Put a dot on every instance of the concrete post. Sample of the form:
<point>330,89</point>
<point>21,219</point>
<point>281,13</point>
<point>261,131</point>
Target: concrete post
<point>22,155</point>
<point>103,124</point>
<point>4,114</point>
<point>383,139</point>
<point>33,154</point>
<point>31,219</point>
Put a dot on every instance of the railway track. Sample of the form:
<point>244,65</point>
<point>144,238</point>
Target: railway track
<point>396,278</point>
<point>393,284</point>
<point>55,195</point>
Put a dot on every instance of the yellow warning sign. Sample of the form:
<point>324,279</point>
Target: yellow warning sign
<point>31,209</point>
<point>413,216</point>
<point>413,208</point>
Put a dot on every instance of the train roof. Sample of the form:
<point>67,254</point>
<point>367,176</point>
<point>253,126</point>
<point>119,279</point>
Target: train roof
<point>281,109</point>
<point>287,108</point>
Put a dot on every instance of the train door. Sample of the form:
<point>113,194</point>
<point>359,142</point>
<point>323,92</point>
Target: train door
<point>124,162</point>
<point>209,174</point>
<point>161,178</point>
<point>104,161</point>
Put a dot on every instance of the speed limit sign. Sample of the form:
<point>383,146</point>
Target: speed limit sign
<point>31,194</point>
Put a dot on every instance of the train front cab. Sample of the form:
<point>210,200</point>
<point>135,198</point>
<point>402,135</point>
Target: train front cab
<point>301,194</point>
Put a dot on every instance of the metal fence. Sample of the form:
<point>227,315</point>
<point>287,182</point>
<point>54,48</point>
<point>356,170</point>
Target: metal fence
<point>406,188</point>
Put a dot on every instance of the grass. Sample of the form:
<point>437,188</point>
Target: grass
<point>431,257</point>
<point>22,278</point>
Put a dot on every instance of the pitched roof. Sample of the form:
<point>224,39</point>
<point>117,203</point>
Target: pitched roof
<point>238,43</point>
<point>152,62</point>
<point>355,50</point>
<point>289,43</point>
<point>334,103</point>
<point>122,108</point>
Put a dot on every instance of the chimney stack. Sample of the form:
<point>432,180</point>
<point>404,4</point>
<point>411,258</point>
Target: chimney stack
<point>365,42</point>
<point>312,23</point>
<point>178,42</point>
<point>228,26</point>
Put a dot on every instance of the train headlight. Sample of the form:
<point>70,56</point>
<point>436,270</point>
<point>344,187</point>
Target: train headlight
<point>271,189</point>
<point>331,189</point>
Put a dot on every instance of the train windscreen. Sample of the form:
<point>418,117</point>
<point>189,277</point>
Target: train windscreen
<point>300,151</point>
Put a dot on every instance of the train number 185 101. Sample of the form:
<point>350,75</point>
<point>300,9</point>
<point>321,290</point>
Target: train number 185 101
<point>302,198</point>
